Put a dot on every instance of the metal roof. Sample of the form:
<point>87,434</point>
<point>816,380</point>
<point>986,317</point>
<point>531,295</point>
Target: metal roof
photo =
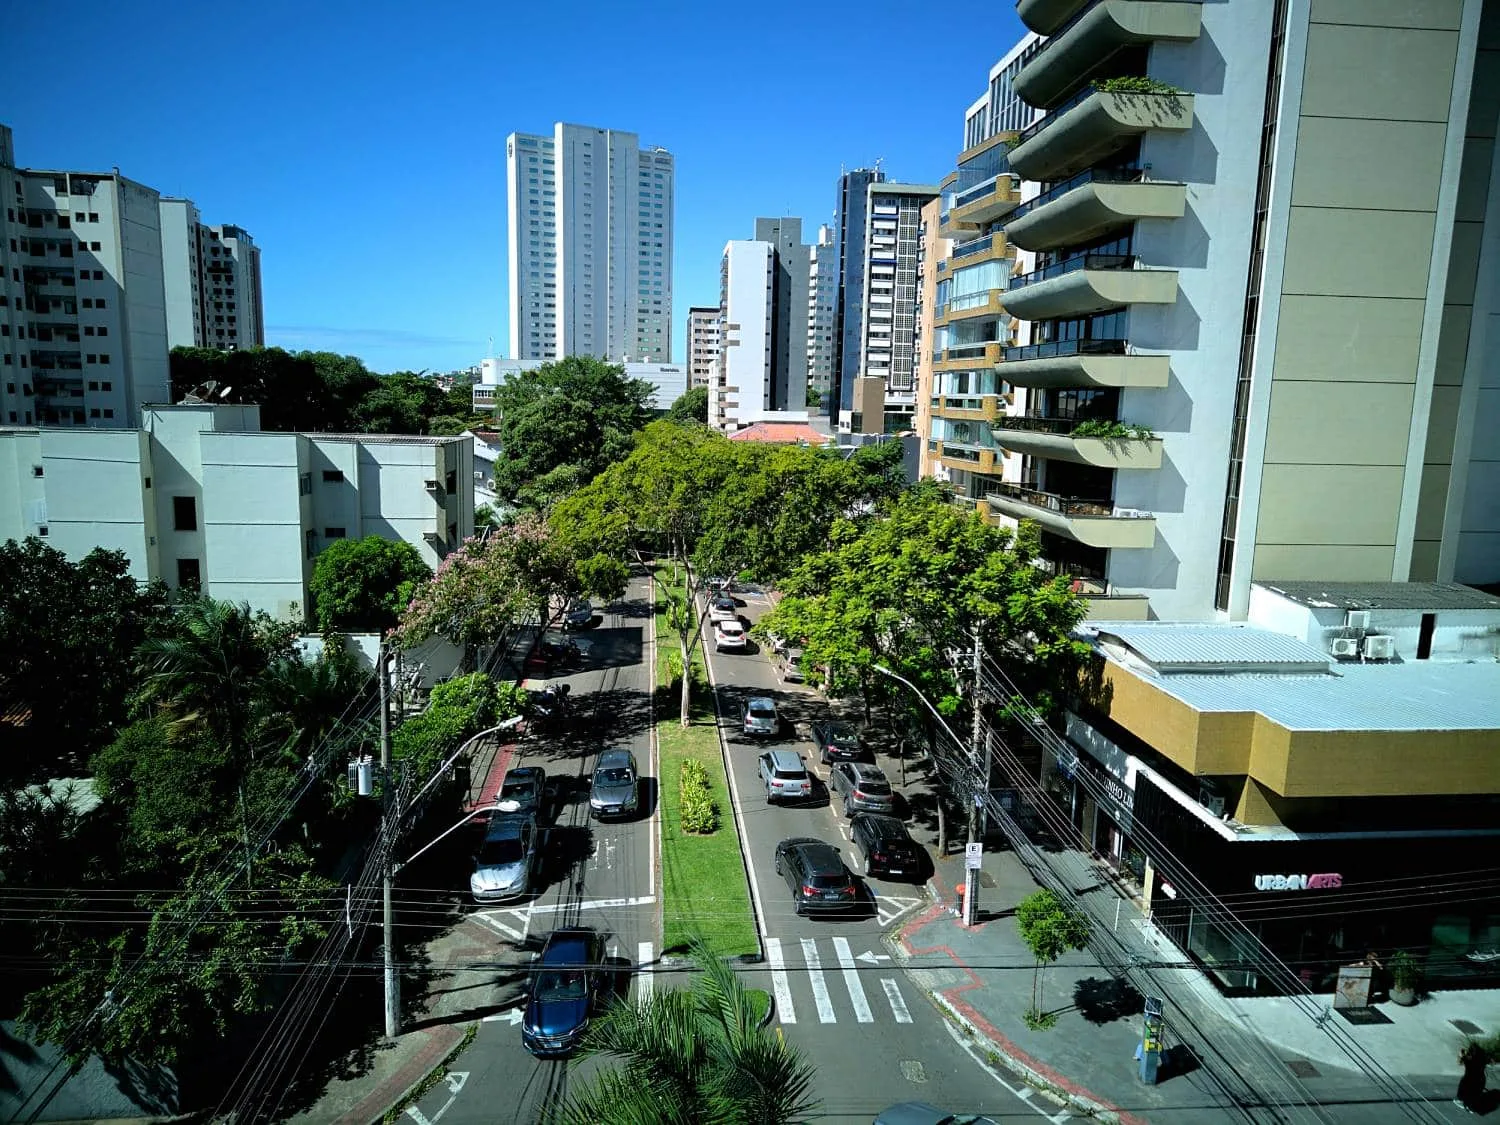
<point>1421,695</point>
<point>1170,643</point>
<point>1384,595</point>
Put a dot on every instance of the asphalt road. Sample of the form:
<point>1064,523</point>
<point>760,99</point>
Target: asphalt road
<point>598,874</point>
<point>875,1038</point>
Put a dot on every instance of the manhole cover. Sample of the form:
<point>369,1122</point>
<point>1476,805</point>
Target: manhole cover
<point>912,1071</point>
<point>986,880</point>
<point>1302,1068</point>
<point>1363,1016</point>
<point>1467,1028</point>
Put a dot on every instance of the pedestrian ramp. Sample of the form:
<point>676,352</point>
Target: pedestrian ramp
<point>826,980</point>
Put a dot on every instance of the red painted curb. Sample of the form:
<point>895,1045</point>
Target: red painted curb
<point>1005,1045</point>
<point>440,1041</point>
<point>495,778</point>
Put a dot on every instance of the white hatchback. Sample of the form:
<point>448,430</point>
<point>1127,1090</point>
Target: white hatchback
<point>729,635</point>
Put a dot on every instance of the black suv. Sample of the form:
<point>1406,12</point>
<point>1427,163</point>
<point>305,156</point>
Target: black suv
<point>816,874</point>
<point>887,847</point>
<point>836,740</point>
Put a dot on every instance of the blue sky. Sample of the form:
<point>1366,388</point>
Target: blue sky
<point>363,145</point>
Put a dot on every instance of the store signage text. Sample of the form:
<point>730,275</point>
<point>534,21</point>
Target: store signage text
<point>1325,882</point>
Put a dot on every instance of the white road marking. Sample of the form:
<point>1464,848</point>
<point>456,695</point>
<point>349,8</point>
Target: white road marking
<point>1022,1092</point>
<point>596,904</point>
<point>781,988</point>
<point>645,973</point>
<point>499,927</point>
<point>890,909</point>
<point>819,985</point>
<point>1059,1118</point>
<point>512,1017</point>
<point>862,1013</point>
<point>1025,1093</point>
<point>455,1080</point>
<point>898,1005</point>
<point>870,958</point>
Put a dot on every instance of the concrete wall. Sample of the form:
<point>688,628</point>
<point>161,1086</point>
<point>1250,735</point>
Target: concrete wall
<point>746,347</point>
<point>1458,634</point>
<point>179,228</point>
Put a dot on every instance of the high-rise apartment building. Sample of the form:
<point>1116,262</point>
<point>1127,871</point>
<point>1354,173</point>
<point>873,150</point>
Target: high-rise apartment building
<point>1301,195</point>
<point>83,330</point>
<point>893,250</point>
<point>702,344</point>
<point>590,256</point>
<point>849,230</point>
<point>791,263</point>
<point>211,280</point>
<point>822,307</point>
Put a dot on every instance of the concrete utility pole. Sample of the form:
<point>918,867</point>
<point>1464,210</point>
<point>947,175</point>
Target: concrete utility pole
<point>976,843</point>
<point>387,838</point>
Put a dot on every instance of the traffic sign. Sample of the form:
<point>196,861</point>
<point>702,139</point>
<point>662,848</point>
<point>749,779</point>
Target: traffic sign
<point>973,856</point>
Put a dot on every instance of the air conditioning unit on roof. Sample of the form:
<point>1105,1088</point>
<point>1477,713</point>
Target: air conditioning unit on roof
<point>1357,619</point>
<point>1345,648</point>
<point>1379,647</point>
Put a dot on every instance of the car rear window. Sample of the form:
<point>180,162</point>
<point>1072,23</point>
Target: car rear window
<point>871,785</point>
<point>791,773</point>
<point>827,882</point>
<point>762,712</point>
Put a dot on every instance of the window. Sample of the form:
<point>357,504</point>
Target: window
<point>108,413</point>
<point>304,485</point>
<point>104,358</point>
<point>94,246</point>
<point>93,216</point>
<point>332,476</point>
<point>36,470</point>
<point>98,275</point>
<point>98,302</point>
<point>312,542</point>
<point>188,574</point>
<point>184,513</point>
<point>333,533</point>
<point>93,384</point>
<point>94,412</point>
<point>88,302</point>
<point>103,331</point>
<point>42,531</point>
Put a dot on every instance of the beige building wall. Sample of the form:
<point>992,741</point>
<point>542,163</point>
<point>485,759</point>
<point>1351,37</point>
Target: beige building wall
<point>1362,292</point>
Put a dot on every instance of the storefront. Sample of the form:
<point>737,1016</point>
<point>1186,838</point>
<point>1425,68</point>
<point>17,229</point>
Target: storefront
<point>1092,780</point>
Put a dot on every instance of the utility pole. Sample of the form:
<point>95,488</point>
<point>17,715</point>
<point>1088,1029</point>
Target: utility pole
<point>387,839</point>
<point>975,849</point>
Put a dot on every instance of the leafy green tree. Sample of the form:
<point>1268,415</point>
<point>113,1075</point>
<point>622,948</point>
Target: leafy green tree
<point>63,628</point>
<point>362,585</point>
<point>691,406</point>
<point>1049,929</point>
<point>562,423</point>
<point>691,1057</point>
<point>403,403</point>
<point>449,425</point>
<point>314,391</point>
<point>814,398</point>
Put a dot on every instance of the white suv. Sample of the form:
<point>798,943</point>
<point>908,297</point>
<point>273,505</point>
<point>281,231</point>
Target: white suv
<point>784,776</point>
<point>729,635</point>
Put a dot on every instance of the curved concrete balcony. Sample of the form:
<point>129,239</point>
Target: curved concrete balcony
<point>1053,438</point>
<point>1096,124</point>
<point>1045,16</point>
<point>1082,363</point>
<point>1087,41</point>
<point>990,247</point>
<point>985,202</point>
<point>1090,205</point>
<point>1086,284</point>
<point>972,306</point>
<point>1095,523</point>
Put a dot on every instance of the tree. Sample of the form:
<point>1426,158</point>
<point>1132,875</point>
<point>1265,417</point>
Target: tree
<point>361,585</point>
<point>814,398</point>
<point>691,406</point>
<point>1049,930</point>
<point>691,1056</point>
<point>63,628</point>
<point>403,403</point>
<point>314,391</point>
<point>562,423</point>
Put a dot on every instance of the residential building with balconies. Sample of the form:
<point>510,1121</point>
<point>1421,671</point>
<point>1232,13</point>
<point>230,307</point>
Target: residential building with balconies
<point>888,333</point>
<point>822,308</point>
<point>702,344</point>
<point>1252,297</point>
<point>848,314</point>
<point>211,281</point>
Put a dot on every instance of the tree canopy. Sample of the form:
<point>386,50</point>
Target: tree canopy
<point>362,585</point>
<point>691,406</point>
<point>563,423</point>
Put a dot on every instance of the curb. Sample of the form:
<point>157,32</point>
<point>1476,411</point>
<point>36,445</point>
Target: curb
<point>770,1013</point>
<point>359,1116</point>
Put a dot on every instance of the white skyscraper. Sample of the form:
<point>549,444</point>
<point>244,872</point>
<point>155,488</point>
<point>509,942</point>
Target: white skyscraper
<point>590,259</point>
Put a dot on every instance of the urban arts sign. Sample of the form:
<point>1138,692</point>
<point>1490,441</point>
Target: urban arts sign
<point>1324,882</point>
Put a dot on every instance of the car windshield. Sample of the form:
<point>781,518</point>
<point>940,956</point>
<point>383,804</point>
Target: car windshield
<point>568,985</point>
<point>762,711</point>
<point>518,791</point>
<point>615,775</point>
<point>497,853</point>
<point>723,603</point>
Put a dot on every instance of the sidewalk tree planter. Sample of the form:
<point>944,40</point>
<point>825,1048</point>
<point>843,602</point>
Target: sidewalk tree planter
<point>1406,978</point>
<point>1049,929</point>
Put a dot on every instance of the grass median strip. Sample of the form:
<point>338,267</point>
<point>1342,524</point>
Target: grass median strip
<point>703,877</point>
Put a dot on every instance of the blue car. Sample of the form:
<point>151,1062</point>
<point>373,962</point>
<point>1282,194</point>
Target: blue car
<point>563,993</point>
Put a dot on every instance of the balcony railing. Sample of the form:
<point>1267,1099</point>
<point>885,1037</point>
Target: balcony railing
<point>967,301</point>
<point>1041,46</point>
<point>1072,265</point>
<point>1087,176</point>
<point>980,190</point>
<point>1066,505</point>
<point>1037,425</point>
<point>972,247</point>
<point>967,351</point>
<point>1052,115</point>
<point>960,402</point>
<point>1053,349</point>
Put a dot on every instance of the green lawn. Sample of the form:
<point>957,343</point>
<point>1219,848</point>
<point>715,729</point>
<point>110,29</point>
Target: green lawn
<point>705,892</point>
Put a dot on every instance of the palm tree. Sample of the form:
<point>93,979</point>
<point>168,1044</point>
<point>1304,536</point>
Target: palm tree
<point>692,1057</point>
<point>297,702</point>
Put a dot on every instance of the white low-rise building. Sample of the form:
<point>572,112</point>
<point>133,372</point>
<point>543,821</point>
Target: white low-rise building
<point>200,496</point>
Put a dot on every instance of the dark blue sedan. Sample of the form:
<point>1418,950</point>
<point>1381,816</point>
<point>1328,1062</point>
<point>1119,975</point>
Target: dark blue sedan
<point>563,992</point>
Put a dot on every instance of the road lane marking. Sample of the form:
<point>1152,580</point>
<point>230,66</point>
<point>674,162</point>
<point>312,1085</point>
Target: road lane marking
<point>898,1005</point>
<point>781,988</point>
<point>862,1013</point>
<point>512,1017</point>
<point>1059,1118</point>
<point>889,909</point>
<point>734,796</point>
<point>455,1080</point>
<point>645,972</point>
<point>819,985</point>
<point>499,927</point>
<point>596,904</point>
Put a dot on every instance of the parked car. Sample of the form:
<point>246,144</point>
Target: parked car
<point>564,990</point>
<point>616,786</point>
<point>791,666</point>
<point>920,1113</point>
<point>720,585</point>
<point>816,874</point>
<point>579,615</point>
<point>886,846</point>
<point>777,644</point>
<point>522,790</point>
<point>864,788</point>
<point>836,741</point>
<point>561,650</point>
<point>785,776</point>
<point>505,861</point>
<point>723,609</point>
<point>761,719</point>
<point>730,635</point>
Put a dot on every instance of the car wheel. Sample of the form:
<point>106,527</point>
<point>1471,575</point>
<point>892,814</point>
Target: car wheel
<point>778,866</point>
<point>848,809</point>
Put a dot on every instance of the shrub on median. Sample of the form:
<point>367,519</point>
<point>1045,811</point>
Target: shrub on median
<point>700,813</point>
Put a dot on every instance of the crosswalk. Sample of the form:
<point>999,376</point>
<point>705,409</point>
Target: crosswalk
<point>800,981</point>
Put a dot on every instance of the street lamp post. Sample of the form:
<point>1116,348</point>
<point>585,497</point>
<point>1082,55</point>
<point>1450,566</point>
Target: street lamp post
<point>975,847</point>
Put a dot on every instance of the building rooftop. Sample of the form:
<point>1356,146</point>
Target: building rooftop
<point>1383,595</point>
<point>1173,647</point>
<point>787,433</point>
